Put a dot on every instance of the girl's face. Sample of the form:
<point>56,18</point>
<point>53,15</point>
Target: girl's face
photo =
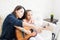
<point>29,15</point>
<point>19,13</point>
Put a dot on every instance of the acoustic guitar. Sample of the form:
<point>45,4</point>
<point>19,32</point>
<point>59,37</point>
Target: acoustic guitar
<point>19,34</point>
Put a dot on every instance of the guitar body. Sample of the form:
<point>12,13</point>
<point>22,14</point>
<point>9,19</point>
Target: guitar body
<point>26,36</point>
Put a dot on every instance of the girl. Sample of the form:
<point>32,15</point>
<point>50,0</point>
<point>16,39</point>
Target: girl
<point>28,19</point>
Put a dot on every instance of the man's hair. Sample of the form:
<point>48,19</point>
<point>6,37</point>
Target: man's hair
<point>25,14</point>
<point>18,8</point>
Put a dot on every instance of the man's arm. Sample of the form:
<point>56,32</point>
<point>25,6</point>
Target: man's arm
<point>23,30</point>
<point>14,21</point>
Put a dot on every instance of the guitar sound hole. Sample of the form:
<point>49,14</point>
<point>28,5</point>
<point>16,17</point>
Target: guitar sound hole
<point>31,30</point>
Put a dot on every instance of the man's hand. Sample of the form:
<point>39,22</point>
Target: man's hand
<point>27,31</point>
<point>24,30</point>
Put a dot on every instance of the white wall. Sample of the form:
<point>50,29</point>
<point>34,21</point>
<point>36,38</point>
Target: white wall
<point>40,8</point>
<point>57,14</point>
<point>57,8</point>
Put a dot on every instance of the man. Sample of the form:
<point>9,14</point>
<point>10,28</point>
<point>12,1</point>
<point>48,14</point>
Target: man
<point>8,28</point>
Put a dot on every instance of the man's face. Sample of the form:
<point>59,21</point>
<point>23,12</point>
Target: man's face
<point>20,12</point>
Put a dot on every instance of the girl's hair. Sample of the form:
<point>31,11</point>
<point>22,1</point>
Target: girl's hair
<point>18,8</point>
<point>25,14</point>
